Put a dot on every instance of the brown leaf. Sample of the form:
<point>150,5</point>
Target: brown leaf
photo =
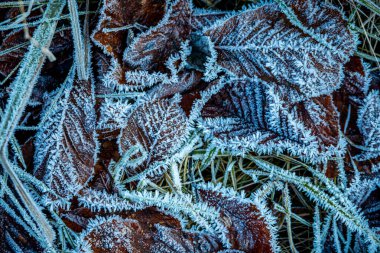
<point>120,13</point>
<point>119,21</point>
<point>320,115</point>
<point>66,144</point>
<point>247,229</point>
<point>158,128</point>
<point>250,115</point>
<point>348,98</point>
<point>304,58</point>
<point>204,18</point>
<point>151,50</point>
<point>188,79</point>
<point>144,231</point>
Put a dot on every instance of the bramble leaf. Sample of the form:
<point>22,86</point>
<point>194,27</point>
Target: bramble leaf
<point>66,145</point>
<point>304,57</point>
<point>143,231</point>
<point>249,115</point>
<point>159,128</point>
<point>248,229</point>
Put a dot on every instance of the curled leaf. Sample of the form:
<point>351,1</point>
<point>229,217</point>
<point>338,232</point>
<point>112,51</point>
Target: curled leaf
<point>159,128</point>
<point>143,231</point>
<point>112,31</point>
<point>248,229</point>
<point>118,23</point>
<point>155,46</point>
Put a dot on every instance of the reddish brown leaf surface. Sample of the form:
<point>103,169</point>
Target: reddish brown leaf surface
<point>303,58</point>
<point>153,48</point>
<point>248,109</point>
<point>66,144</point>
<point>321,117</point>
<point>346,99</point>
<point>118,22</point>
<point>247,230</point>
<point>121,13</point>
<point>204,18</point>
<point>158,128</point>
<point>144,231</point>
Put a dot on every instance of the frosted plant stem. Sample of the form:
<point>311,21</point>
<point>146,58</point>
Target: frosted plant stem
<point>337,203</point>
<point>370,5</point>
<point>174,171</point>
<point>21,91</point>
<point>317,231</point>
<point>80,53</point>
<point>288,208</point>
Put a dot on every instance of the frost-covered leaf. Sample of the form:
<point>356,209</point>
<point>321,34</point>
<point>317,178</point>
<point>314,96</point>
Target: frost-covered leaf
<point>248,115</point>
<point>119,21</point>
<point>320,115</point>
<point>303,57</point>
<point>66,145</point>
<point>176,75</point>
<point>369,126</point>
<point>250,227</point>
<point>204,18</point>
<point>350,96</point>
<point>159,127</point>
<point>143,231</point>
<point>170,240</point>
<point>153,48</point>
<point>197,214</point>
<point>112,31</point>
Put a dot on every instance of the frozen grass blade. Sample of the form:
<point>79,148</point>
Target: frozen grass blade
<point>288,208</point>
<point>22,88</point>
<point>370,5</point>
<point>78,41</point>
<point>337,203</point>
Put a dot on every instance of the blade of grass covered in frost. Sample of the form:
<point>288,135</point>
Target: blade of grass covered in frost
<point>370,5</point>
<point>78,40</point>
<point>22,88</point>
<point>337,203</point>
